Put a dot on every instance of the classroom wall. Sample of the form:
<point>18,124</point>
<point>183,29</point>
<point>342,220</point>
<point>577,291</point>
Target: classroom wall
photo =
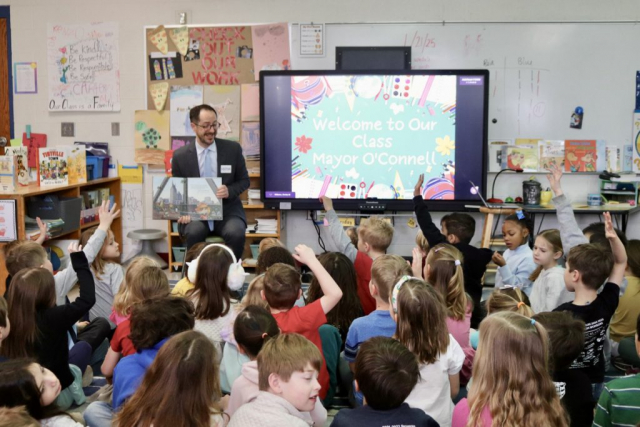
<point>28,28</point>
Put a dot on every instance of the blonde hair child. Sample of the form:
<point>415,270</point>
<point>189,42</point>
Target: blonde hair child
<point>509,299</point>
<point>134,289</point>
<point>421,318</point>
<point>232,359</point>
<point>107,274</point>
<point>419,254</point>
<point>548,290</point>
<point>444,272</point>
<point>184,285</point>
<point>511,383</point>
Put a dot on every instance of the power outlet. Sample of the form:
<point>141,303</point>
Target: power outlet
<point>67,129</point>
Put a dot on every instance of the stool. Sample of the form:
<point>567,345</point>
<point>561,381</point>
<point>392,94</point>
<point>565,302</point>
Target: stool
<point>147,236</point>
<point>214,239</point>
<point>487,230</point>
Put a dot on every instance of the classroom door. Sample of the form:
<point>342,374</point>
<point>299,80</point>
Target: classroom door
<point>5,116</point>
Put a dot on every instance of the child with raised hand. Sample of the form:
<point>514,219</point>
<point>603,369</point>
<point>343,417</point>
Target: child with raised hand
<point>184,285</point>
<point>25,383</point>
<point>457,230</point>
<point>516,265</point>
<point>253,327</point>
<point>149,282</point>
<point>386,372</point>
<point>288,366</point>
<point>40,326</point>
<point>444,272</point>
<point>282,287</point>
<point>421,315</point>
<point>566,341</point>
<point>132,290</point>
<point>184,368</point>
<point>349,308</point>
<point>211,294</point>
<point>548,290</point>
<point>107,272</point>
<point>374,237</point>
<point>511,386</point>
<point>588,266</point>
<point>419,255</point>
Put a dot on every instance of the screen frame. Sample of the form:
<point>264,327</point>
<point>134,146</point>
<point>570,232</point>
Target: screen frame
<point>389,204</point>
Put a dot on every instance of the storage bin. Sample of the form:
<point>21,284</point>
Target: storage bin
<point>93,168</point>
<point>54,207</point>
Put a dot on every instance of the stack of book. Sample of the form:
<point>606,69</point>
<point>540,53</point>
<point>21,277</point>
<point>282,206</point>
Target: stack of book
<point>253,196</point>
<point>91,201</point>
<point>267,225</point>
<point>54,226</point>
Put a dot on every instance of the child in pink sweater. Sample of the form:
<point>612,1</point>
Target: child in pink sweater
<point>252,328</point>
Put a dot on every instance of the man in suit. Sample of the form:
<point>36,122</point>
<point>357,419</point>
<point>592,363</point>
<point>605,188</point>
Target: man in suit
<point>210,157</point>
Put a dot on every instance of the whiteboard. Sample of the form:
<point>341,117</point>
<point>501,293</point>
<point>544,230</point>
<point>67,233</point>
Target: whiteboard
<point>539,73</point>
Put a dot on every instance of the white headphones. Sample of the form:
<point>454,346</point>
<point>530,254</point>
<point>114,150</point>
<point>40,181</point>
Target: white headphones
<point>236,275</point>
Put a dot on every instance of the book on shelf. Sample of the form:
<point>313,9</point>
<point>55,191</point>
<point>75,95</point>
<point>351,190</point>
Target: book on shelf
<point>580,155</point>
<point>267,225</point>
<point>77,163</point>
<point>523,157</point>
<point>627,158</point>
<point>551,153</point>
<point>52,166</point>
<point>8,168</point>
<point>196,197</point>
<point>21,153</point>
<point>32,231</point>
<point>613,158</point>
<point>495,153</point>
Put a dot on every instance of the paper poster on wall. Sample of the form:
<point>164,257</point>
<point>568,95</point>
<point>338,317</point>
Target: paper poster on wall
<point>151,137</point>
<point>270,47</point>
<point>181,141</point>
<point>251,140</point>
<point>8,230</point>
<point>181,100</point>
<point>214,56</point>
<point>226,101</point>
<point>84,67</point>
<point>165,67</point>
<point>132,213</point>
<point>250,102</point>
<point>25,77</point>
<point>312,40</point>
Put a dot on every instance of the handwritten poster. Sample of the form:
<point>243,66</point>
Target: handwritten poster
<point>84,67</point>
<point>132,218</point>
<point>25,77</point>
<point>270,47</point>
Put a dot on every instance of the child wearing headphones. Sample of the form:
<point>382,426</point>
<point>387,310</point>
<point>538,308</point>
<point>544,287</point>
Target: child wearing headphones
<point>214,273</point>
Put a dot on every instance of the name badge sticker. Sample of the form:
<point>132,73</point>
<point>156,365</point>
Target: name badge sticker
<point>225,169</point>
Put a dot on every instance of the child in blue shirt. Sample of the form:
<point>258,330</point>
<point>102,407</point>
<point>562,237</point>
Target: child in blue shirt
<point>516,265</point>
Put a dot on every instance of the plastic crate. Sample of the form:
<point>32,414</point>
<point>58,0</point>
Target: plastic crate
<point>54,207</point>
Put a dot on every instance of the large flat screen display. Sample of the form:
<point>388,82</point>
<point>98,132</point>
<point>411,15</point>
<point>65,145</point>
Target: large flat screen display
<point>361,137</point>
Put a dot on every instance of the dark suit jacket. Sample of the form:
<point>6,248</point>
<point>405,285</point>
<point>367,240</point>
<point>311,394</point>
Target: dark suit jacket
<point>185,165</point>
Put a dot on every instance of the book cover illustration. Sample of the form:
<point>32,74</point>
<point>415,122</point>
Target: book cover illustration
<point>551,153</point>
<point>22,162</point>
<point>613,158</point>
<point>627,158</point>
<point>52,166</point>
<point>77,164</point>
<point>580,156</point>
<point>7,173</point>
<point>196,197</point>
<point>495,153</point>
<point>523,157</point>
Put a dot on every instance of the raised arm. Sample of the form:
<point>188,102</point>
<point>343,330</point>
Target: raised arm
<point>330,289</point>
<point>619,252</point>
<point>570,233</point>
<point>340,239</point>
<point>429,229</point>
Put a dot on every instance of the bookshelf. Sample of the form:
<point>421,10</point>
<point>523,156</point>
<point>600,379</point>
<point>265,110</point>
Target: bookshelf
<point>23,193</point>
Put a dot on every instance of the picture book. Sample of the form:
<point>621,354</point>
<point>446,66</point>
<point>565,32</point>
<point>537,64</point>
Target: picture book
<point>627,158</point>
<point>580,156</point>
<point>523,157</point>
<point>495,153</point>
<point>7,173</point>
<point>22,162</point>
<point>551,153</point>
<point>613,158</point>
<point>77,164</point>
<point>196,197</point>
<point>53,166</point>
<point>601,160</point>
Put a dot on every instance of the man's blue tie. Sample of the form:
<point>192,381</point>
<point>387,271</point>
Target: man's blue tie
<point>208,173</point>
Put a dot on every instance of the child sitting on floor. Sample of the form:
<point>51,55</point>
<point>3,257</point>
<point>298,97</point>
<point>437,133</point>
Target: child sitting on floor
<point>516,265</point>
<point>548,290</point>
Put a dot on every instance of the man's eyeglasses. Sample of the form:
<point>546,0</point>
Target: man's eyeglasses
<point>205,126</point>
